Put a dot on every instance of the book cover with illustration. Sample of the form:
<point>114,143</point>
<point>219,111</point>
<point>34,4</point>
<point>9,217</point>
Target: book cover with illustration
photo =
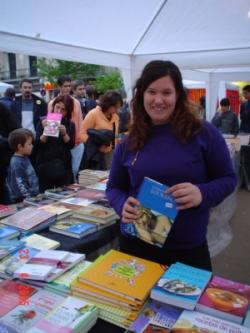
<point>123,274</point>
<point>155,316</point>
<point>225,299</point>
<point>53,122</point>
<point>181,285</point>
<point>96,213</point>
<point>13,293</point>
<point>25,316</point>
<point>158,211</point>
<point>196,322</point>
<point>71,315</point>
<point>73,227</point>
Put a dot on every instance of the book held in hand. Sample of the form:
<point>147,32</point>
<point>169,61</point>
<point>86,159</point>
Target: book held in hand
<point>157,213</point>
<point>225,299</point>
<point>53,122</point>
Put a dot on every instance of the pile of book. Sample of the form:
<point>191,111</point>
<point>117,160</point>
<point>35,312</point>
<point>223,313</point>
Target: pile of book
<point>87,176</point>
<point>26,309</point>
<point>119,284</point>
<point>85,221</point>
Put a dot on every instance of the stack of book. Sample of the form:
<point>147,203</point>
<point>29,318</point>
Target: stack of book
<point>39,200</point>
<point>40,242</point>
<point>225,299</point>
<point>59,210</point>
<point>119,280</point>
<point>181,285</point>
<point>195,322</point>
<point>6,210</point>
<point>87,176</point>
<point>30,219</point>
<point>8,232</point>
<point>8,246</point>
<point>60,193</point>
<point>47,265</point>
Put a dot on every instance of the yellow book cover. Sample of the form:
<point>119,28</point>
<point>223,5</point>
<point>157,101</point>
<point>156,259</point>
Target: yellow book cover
<point>103,295</point>
<point>40,242</point>
<point>123,274</point>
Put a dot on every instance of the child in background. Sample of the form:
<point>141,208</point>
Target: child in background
<point>21,180</point>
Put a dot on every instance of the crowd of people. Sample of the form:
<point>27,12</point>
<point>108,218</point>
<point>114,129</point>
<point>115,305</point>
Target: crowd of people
<point>166,141</point>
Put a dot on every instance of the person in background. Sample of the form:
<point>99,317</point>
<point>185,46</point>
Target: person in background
<point>124,118</point>
<point>103,122</point>
<point>22,181</point>
<point>90,100</point>
<point>28,107</point>
<point>225,119</point>
<point>169,144</point>
<point>245,111</point>
<point>9,97</point>
<point>80,95</point>
<point>54,153</point>
<point>65,85</point>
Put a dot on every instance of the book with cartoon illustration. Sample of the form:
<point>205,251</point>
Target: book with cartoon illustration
<point>53,123</point>
<point>158,211</point>
<point>225,299</point>
<point>124,275</point>
<point>181,285</point>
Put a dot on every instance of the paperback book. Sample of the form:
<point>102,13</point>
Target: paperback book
<point>59,210</point>
<point>155,316</point>
<point>6,210</point>
<point>73,227</point>
<point>7,246</point>
<point>40,242</point>
<point>39,200</point>
<point>196,322</point>
<point>124,275</point>
<point>60,193</point>
<point>225,299</point>
<point>8,232</point>
<point>96,213</point>
<point>158,211</point>
<point>181,285</point>
<point>53,123</point>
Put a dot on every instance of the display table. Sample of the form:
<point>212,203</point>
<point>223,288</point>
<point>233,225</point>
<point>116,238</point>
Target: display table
<point>92,245</point>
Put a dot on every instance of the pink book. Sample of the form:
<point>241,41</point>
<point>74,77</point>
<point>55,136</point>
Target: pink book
<point>225,299</point>
<point>53,121</point>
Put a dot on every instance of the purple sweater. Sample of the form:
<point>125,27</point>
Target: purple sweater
<point>203,161</point>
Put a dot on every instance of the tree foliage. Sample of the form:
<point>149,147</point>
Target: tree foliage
<point>112,80</point>
<point>52,69</point>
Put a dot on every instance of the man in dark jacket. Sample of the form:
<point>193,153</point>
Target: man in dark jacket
<point>28,107</point>
<point>225,119</point>
<point>245,111</point>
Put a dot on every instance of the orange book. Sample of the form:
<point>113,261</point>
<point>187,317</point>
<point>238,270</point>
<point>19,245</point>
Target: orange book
<point>124,275</point>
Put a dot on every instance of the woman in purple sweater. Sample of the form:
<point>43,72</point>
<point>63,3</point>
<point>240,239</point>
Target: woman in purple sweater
<point>170,145</point>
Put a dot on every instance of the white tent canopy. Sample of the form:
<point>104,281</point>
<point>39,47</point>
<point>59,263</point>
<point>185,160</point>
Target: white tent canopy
<point>209,39</point>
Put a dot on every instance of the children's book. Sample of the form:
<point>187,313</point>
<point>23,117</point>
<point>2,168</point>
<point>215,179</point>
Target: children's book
<point>30,218</point>
<point>158,211</point>
<point>13,293</point>
<point>155,315</point>
<point>8,232</point>
<point>40,242</point>
<point>53,123</point>
<point>73,227</point>
<point>6,210</point>
<point>7,246</point>
<point>71,315</point>
<point>124,275</point>
<point>225,299</point>
<point>196,322</point>
<point>25,315</point>
<point>181,285</point>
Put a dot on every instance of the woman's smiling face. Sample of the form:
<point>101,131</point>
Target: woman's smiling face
<point>160,100</point>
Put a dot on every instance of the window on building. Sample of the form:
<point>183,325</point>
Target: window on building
<point>33,62</point>
<point>12,65</point>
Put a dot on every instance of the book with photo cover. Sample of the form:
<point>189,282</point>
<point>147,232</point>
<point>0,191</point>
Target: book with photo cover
<point>181,285</point>
<point>225,299</point>
<point>158,212</point>
<point>53,122</point>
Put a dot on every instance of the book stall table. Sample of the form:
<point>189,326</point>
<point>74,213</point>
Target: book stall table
<point>92,245</point>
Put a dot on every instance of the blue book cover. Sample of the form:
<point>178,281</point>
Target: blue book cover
<point>158,212</point>
<point>181,285</point>
<point>7,246</point>
<point>73,227</point>
<point>8,232</point>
